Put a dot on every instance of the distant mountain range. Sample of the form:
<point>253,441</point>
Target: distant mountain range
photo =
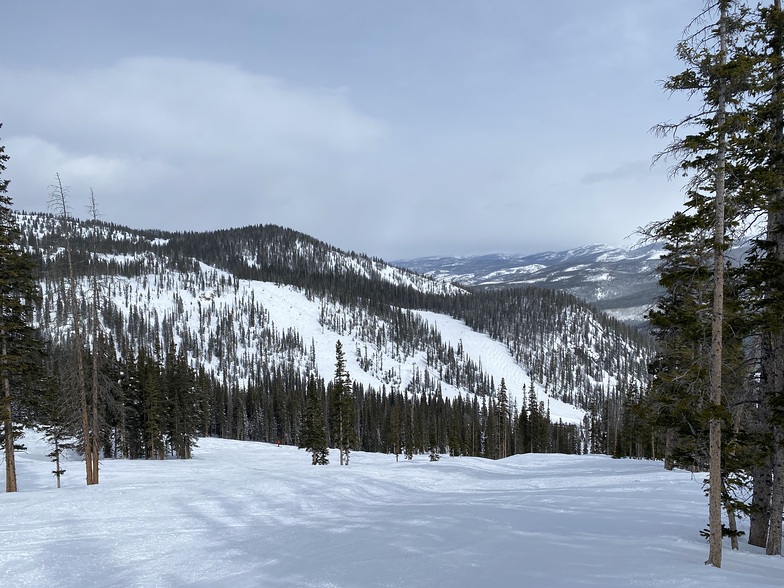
<point>619,281</point>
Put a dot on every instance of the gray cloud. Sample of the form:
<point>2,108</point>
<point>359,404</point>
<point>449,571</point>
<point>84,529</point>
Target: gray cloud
<point>209,142</point>
<point>447,127</point>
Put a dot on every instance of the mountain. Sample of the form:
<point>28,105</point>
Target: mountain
<point>259,309</point>
<point>622,282</point>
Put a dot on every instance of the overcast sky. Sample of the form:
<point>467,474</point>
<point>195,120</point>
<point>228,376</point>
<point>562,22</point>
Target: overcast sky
<point>394,128</point>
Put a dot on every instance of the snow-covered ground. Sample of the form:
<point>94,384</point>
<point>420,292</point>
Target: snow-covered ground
<point>250,514</point>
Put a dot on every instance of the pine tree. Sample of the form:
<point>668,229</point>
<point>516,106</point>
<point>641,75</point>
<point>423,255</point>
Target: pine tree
<point>503,420</point>
<point>764,272</point>
<point>408,427</point>
<point>677,399</point>
<point>152,405</point>
<point>182,411</point>
<point>19,346</point>
<point>57,429</point>
<point>344,432</point>
<point>718,71</point>
<point>313,436</point>
<point>396,409</point>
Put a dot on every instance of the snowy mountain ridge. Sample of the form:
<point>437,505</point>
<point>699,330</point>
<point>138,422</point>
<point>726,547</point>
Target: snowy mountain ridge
<point>242,301</point>
<point>621,281</point>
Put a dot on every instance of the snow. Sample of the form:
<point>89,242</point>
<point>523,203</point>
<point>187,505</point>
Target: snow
<point>244,514</point>
<point>531,268</point>
<point>629,314</point>
<point>598,277</point>
<point>497,360</point>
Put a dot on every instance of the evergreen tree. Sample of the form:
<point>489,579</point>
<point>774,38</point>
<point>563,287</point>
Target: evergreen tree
<point>503,420</point>
<point>396,410</point>
<point>182,410</point>
<point>57,427</point>
<point>764,272</point>
<point>344,433</point>
<point>152,406</point>
<point>408,430</point>
<point>313,436</point>
<point>718,71</point>
<point>19,346</point>
<point>677,400</point>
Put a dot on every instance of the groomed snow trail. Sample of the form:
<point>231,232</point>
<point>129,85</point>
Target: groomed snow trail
<point>243,514</point>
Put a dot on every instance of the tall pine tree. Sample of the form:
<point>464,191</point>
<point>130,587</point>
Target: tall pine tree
<point>717,71</point>
<point>19,346</point>
<point>343,411</point>
<point>313,436</point>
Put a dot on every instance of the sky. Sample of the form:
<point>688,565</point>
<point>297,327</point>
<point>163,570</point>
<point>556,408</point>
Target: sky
<point>396,129</point>
<point>242,515</point>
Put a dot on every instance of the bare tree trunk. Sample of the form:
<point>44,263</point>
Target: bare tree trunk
<point>669,462</point>
<point>95,331</point>
<point>95,427</point>
<point>773,546</point>
<point>340,433</point>
<point>717,321</point>
<point>8,432</point>
<point>773,380</point>
<point>57,471</point>
<point>653,446</point>
<point>759,518</point>
<point>732,522</point>
<point>60,203</point>
<point>733,526</point>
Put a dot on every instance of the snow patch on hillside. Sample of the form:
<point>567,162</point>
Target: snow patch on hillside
<point>498,361</point>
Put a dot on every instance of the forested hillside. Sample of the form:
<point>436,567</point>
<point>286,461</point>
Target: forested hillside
<point>234,333</point>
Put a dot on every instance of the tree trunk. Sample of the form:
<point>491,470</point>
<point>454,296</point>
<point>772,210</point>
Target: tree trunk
<point>773,546</point>
<point>8,431</point>
<point>732,522</point>
<point>95,427</point>
<point>60,203</point>
<point>57,471</point>
<point>669,437</point>
<point>759,518</point>
<point>340,431</point>
<point>717,320</point>
<point>95,331</point>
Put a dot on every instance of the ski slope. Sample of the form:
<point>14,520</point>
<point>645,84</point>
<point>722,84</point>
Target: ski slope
<point>242,514</point>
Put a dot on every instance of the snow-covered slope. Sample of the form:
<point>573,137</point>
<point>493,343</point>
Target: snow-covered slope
<point>242,514</point>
